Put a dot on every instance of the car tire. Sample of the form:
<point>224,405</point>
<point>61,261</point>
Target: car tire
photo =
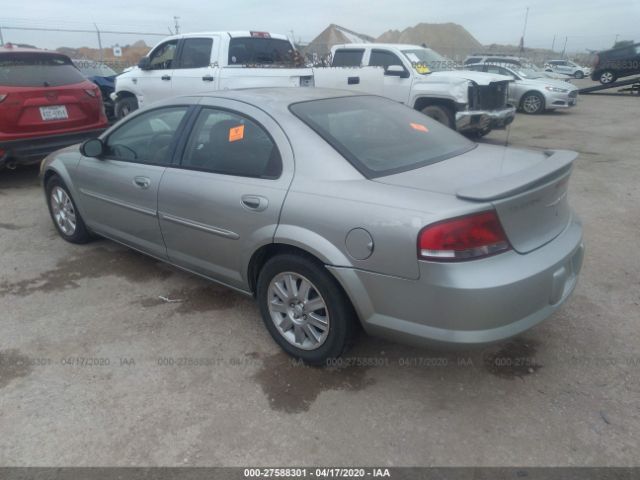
<point>64,213</point>
<point>440,113</point>
<point>532,103</point>
<point>579,74</point>
<point>125,105</point>
<point>285,303</point>
<point>607,76</point>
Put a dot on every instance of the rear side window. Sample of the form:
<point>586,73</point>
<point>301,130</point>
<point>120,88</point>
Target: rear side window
<point>196,53</point>
<point>347,58</point>
<point>26,69</point>
<point>231,144</point>
<point>379,136</point>
<point>259,51</point>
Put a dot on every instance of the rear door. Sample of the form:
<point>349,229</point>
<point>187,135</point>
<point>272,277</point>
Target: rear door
<point>196,66</point>
<point>44,93</point>
<point>224,200</point>
<point>155,82</point>
<point>120,190</point>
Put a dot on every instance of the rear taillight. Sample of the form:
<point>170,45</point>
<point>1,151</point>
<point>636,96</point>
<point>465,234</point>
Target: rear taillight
<point>2,96</point>
<point>92,92</point>
<point>463,238</point>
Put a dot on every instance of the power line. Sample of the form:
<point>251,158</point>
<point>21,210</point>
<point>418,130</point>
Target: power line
<point>73,30</point>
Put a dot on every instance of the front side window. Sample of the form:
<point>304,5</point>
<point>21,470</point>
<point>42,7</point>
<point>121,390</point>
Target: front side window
<point>35,69</point>
<point>381,58</point>
<point>162,57</point>
<point>347,58</point>
<point>196,53</point>
<point>227,143</point>
<point>379,136</point>
<point>147,137</point>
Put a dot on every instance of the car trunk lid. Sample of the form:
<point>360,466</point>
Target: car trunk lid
<point>528,189</point>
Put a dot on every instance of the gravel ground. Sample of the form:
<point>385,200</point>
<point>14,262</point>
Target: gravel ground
<point>97,369</point>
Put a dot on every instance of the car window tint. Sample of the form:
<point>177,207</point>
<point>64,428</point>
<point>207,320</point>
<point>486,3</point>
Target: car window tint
<point>347,58</point>
<point>230,144</point>
<point>35,69</point>
<point>146,138</point>
<point>379,136</point>
<point>259,51</point>
<point>196,52</point>
<point>380,58</point>
<point>162,57</point>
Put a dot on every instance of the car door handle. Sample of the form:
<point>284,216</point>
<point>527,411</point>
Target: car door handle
<point>255,202</point>
<point>208,78</point>
<point>165,77</point>
<point>142,182</point>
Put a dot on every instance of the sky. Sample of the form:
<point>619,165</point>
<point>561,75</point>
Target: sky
<point>587,24</point>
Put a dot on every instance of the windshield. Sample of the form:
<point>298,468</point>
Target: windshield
<point>32,69</point>
<point>425,60</point>
<point>529,73</point>
<point>379,136</point>
<point>90,68</point>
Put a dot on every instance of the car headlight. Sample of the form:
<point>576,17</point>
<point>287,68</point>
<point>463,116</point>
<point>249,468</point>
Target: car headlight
<point>556,89</point>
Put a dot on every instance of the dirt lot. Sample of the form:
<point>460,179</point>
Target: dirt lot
<point>97,369</point>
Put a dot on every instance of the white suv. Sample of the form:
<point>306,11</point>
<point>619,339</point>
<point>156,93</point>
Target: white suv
<point>567,67</point>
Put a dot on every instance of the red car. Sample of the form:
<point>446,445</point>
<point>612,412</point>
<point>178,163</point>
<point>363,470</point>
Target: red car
<point>45,104</point>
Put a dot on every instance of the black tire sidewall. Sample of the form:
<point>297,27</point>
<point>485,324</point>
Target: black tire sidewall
<point>579,74</point>
<point>444,111</point>
<point>613,77</point>
<point>81,234</point>
<point>130,101</point>
<point>341,314</point>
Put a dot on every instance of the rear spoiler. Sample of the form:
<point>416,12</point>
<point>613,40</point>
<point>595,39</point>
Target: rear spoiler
<point>557,163</point>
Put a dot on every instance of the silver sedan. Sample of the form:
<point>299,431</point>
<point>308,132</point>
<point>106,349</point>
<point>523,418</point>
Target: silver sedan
<point>531,91</point>
<point>333,210</point>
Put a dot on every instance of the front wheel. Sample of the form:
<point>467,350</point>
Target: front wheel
<point>304,309</point>
<point>532,103</point>
<point>125,105</point>
<point>579,74</point>
<point>607,76</point>
<point>440,113</point>
<point>66,217</point>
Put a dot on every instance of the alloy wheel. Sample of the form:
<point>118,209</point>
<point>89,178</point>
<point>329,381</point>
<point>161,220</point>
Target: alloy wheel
<point>298,310</point>
<point>606,77</point>
<point>532,104</point>
<point>63,211</point>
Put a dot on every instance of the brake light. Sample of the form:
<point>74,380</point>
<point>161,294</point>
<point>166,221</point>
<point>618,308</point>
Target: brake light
<point>260,34</point>
<point>2,96</point>
<point>463,238</point>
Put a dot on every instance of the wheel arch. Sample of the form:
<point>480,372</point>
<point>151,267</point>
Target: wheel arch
<point>422,102</point>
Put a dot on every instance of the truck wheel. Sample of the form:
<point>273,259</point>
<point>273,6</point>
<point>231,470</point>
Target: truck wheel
<point>125,105</point>
<point>304,309</point>
<point>440,113</point>
<point>579,74</point>
<point>532,103</point>
<point>607,76</point>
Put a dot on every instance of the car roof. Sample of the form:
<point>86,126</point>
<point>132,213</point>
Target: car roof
<point>232,34</point>
<point>12,49</point>
<point>399,46</point>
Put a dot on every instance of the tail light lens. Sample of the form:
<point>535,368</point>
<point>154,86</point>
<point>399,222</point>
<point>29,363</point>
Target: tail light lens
<point>92,92</point>
<point>2,96</point>
<point>463,238</point>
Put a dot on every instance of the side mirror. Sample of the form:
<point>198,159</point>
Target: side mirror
<point>144,63</point>
<point>396,71</point>
<point>92,148</point>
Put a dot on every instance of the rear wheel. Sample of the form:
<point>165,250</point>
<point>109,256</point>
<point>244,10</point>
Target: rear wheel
<point>532,103</point>
<point>579,74</point>
<point>66,217</point>
<point>440,113</point>
<point>607,76</point>
<point>125,105</point>
<point>304,309</point>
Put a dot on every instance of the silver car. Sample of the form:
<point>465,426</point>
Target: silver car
<point>333,210</point>
<point>531,91</point>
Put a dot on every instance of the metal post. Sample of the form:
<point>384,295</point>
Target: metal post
<point>564,48</point>
<point>177,25</point>
<point>1,39</point>
<point>553,44</point>
<point>99,43</point>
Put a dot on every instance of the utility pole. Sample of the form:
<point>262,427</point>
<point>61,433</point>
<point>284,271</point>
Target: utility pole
<point>553,44</point>
<point>1,39</point>
<point>616,40</point>
<point>564,48</point>
<point>177,25</point>
<point>524,30</point>
<point>99,43</point>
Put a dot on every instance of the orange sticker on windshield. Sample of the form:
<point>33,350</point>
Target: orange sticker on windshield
<point>419,127</point>
<point>236,133</point>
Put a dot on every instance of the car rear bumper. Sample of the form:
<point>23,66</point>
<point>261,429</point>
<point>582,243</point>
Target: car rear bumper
<point>471,120</point>
<point>32,150</point>
<point>468,303</point>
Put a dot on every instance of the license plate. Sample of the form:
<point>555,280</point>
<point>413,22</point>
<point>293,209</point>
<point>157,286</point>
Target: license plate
<point>58,112</point>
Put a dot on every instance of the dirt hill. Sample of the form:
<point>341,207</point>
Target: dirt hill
<point>131,54</point>
<point>449,39</point>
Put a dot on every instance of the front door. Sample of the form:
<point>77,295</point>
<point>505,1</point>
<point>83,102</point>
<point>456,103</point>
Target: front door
<point>196,69</point>
<point>120,189</point>
<point>224,200</point>
<point>395,87</point>
<point>155,81</point>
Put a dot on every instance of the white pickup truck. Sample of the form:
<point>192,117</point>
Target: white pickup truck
<point>470,102</point>
<point>199,62</point>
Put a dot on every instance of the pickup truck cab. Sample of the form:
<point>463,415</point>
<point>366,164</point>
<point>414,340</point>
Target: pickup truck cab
<point>470,102</point>
<point>203,62</point>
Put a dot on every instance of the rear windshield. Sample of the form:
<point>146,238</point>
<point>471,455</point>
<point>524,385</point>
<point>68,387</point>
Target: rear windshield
<point>379,136</point>
<point>260,51</point>
<point>25,69</point>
